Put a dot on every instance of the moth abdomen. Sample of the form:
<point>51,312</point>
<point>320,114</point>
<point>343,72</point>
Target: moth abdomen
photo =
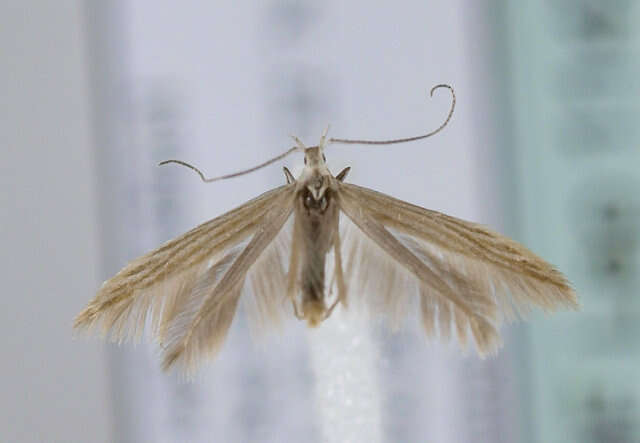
<point>313,275</point>
<point>315,311</point>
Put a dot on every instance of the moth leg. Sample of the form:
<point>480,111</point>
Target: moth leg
<point>333,280</point>
<point>288,175</point>
<point>339,275</point>
<point>292,275</point>
<point>295,310</point>
<point>294,261</point>
<point>330,310</point>
<point>343,174</point>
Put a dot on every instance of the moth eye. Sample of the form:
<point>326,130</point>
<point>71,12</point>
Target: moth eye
<point>308,201</point>
<point>305,160</point>
<point>323,203</point>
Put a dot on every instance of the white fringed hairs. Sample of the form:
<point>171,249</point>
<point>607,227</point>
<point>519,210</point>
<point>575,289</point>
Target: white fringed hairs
<point>287,250</point>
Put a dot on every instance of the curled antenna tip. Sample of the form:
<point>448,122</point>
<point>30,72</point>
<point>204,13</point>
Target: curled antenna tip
<point>235,174</point>
<point>346,141</point>
<point>442,85</point>
<point>193,168</point>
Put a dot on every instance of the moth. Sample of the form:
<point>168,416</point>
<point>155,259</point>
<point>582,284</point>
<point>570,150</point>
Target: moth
<point>315,243</point>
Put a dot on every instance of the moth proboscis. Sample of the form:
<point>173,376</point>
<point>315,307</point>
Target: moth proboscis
<point>278,250</point>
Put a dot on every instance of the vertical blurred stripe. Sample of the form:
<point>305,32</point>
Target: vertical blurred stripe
<point>575,89</point>
<point>53,387</point>
<point>223,86</point>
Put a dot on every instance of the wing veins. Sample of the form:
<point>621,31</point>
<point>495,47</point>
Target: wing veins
<point>377,233</point>
<point>459,235</point>
<point>220,295</point>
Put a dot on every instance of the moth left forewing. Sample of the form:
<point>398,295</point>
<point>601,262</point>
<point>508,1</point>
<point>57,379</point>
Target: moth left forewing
<point>466,278</point>
<point>155,286</point>
<point>201,325</point>
<point>188,289</point>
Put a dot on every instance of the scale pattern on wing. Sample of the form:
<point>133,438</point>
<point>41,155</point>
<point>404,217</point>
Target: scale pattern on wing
<point>198,330</point>
<point>160,284</point>
<point>463,276</point>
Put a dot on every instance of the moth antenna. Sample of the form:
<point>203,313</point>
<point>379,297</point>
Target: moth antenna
<point>408,139</point>
<point>235,174</point>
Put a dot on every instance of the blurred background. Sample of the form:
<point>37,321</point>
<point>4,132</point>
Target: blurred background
<point>544,146</point>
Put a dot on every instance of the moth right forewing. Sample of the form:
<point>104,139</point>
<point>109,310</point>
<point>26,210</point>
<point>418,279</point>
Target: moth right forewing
<point>474,255</point>
<point>495,276</point>
<point>408,273</point>
<point>355,209</point>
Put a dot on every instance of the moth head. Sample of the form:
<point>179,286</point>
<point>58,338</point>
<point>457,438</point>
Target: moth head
<point>314,156</point>
<point>315,175</point>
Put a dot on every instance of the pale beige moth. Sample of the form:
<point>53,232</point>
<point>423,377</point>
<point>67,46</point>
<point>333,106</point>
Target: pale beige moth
<point>315,243</point>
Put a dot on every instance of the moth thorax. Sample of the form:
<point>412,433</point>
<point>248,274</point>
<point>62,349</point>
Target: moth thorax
<point>311,203</point>
<point>314,311</point>
<point>317,186</point>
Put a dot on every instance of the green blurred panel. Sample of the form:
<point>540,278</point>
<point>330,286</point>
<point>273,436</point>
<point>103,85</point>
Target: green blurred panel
<point>576,96</point>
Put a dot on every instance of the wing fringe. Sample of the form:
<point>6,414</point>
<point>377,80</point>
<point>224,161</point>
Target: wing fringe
<point>162,288</point>
<point>468,279</point>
